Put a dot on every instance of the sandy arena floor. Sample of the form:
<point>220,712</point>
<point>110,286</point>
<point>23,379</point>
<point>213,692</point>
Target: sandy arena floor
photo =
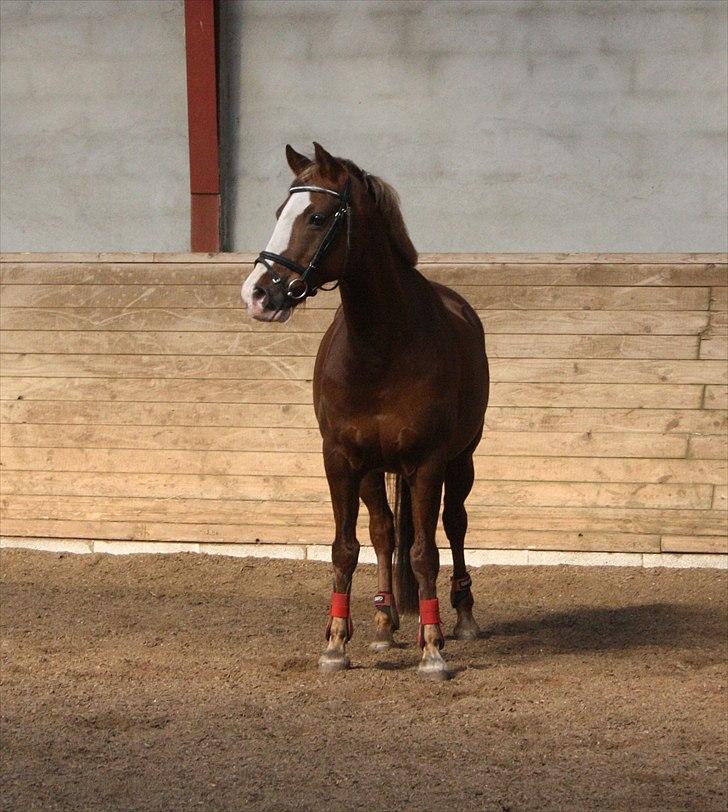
<point>189,682</point>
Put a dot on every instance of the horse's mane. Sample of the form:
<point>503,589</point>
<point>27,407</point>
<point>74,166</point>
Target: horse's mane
<point>387,203</point>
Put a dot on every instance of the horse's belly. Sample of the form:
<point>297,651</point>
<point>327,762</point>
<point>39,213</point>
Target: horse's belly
<point>384,442</point>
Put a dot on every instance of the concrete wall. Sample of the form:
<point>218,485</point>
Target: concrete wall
<point>523,126</point>
<point>94,126</point>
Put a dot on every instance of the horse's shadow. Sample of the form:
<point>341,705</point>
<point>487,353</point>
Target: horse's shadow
<point>595,629</point>
<point>623,628</point>
<point>408,665</point>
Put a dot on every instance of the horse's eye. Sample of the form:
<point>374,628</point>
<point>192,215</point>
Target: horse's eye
<point>316,219</point>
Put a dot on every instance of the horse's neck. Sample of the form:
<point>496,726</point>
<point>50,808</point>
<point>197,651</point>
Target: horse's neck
<point>379,299</point>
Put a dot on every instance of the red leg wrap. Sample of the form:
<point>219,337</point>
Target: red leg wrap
<point>430,616</point>
<point>340,608</point>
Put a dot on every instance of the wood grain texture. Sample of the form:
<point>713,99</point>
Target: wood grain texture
<point>271,391</point>
<point>285,438</point>
<point>314,489</point>
<point>715,347</point>
<point>103,342</point>
<point>719,298</point>
<point>694,544</point>
<point>709,448</point>
<point>262,368</point>
<point>504,297</point>
<point>201,415</point>
<point>318,514</point>
<point>716,397</point>
<point>289,534</point>
<point>465,274</point>
<point>507,322</point>
<point>139,402</point>
<point>310,464</point>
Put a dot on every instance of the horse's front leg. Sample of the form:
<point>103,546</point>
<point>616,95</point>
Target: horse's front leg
<point>344,488</point>
<point>426,488</point>
<point>381,531</point>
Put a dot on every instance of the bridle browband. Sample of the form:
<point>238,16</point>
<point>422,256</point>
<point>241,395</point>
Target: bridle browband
<point>299,288</point>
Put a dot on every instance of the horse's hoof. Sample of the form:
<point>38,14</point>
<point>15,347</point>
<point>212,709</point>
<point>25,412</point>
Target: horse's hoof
<point>466,628</point>
<point>466,632</point>
<point>331,662</point>
<point>434,668</point>
<point>434,674</point>
<point>383,640</point>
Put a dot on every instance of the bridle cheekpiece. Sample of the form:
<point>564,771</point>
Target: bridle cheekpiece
<point>300,287</point>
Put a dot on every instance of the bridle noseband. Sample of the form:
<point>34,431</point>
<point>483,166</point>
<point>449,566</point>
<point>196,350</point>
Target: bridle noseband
<point>299,288</point>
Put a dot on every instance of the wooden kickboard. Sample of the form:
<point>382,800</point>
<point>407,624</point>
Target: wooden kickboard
<point>137,401</point>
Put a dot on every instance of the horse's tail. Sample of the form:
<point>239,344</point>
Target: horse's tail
<point>404,577</point>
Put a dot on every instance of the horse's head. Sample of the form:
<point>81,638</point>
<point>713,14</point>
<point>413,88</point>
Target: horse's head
<point>309,245</point>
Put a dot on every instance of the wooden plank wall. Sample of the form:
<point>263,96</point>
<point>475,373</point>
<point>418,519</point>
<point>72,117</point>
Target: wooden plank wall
<point>139,402</point>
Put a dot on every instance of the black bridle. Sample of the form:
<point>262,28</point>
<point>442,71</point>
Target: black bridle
<point>299,288</point>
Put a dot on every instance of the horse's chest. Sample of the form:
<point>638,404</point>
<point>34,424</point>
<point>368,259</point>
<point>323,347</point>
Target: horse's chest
<point>388,418</point>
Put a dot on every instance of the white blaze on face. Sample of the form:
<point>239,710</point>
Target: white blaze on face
<point>279,241</point>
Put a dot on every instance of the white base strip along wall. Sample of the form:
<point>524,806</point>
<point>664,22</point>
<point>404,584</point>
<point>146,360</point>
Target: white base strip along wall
<point>322,552</point>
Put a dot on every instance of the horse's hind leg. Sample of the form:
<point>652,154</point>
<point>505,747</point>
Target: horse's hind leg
<point>381,531</point>
<point>458,483</point>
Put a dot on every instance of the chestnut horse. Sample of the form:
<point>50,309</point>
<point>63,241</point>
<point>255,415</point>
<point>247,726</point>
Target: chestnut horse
<point>400,386</point>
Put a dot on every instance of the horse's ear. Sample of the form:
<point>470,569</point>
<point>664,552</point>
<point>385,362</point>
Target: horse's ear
<point>327,164</point>
<point>296,161</point>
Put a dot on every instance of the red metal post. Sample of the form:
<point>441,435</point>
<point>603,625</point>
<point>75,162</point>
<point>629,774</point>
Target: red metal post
<point>202,124</point>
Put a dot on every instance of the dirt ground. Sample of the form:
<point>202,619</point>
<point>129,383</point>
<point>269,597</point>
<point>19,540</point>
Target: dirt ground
<point>190,682</point>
